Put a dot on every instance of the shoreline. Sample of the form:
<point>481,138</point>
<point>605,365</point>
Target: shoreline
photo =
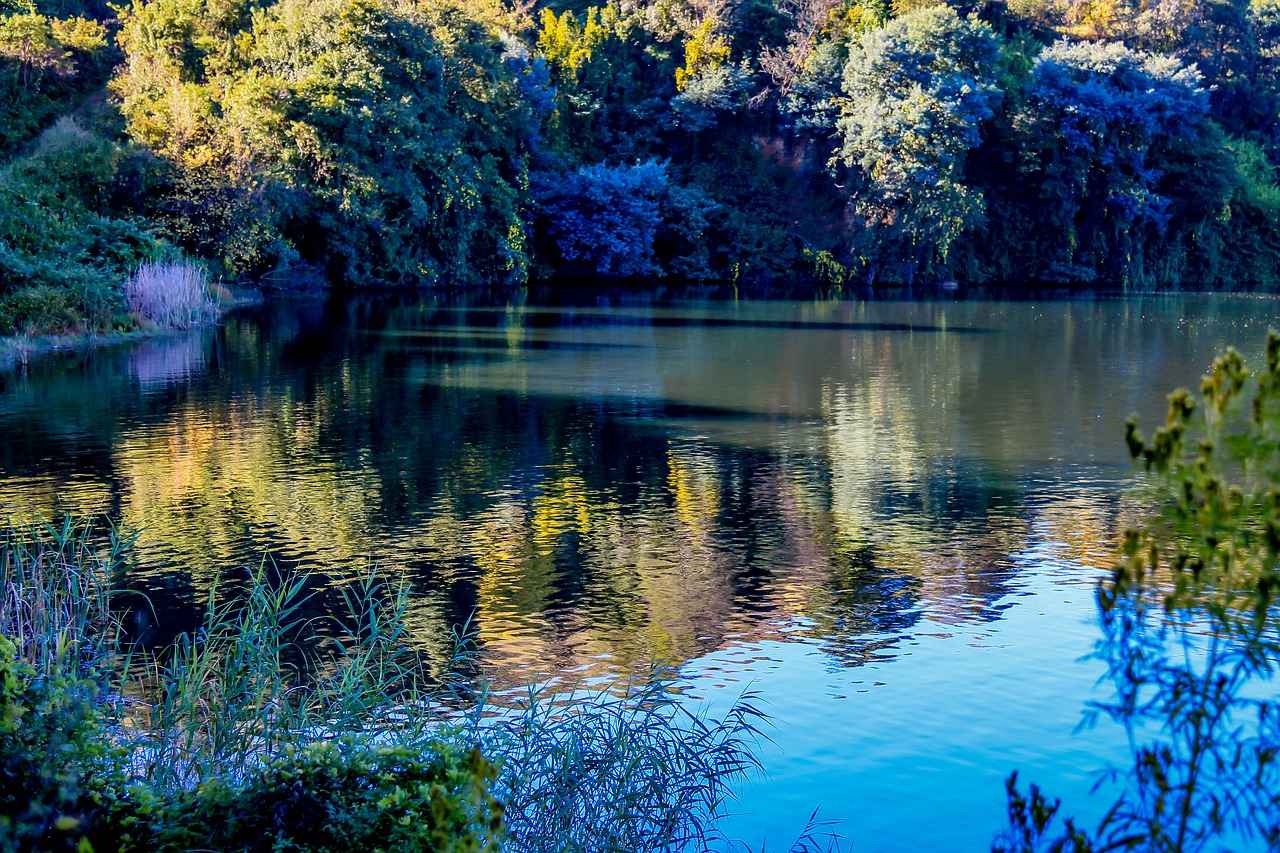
<point>18,351</point>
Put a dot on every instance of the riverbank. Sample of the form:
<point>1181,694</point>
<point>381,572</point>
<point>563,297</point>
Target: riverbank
<point>17,351</point>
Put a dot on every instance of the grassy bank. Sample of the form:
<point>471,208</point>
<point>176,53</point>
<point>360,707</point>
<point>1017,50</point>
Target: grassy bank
<point>270,730</point>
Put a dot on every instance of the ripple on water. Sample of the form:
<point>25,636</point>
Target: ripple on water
<point>884,519</point>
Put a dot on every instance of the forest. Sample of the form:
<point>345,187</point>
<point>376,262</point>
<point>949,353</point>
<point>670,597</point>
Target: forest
<point>302,145</point>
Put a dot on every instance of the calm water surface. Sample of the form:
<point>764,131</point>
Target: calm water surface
<point>884,518</point>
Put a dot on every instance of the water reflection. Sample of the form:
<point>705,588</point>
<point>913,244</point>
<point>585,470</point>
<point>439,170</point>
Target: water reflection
<point>602,485</point>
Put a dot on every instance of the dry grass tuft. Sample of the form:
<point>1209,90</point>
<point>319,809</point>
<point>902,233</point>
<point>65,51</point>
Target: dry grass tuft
<point>175,295</point>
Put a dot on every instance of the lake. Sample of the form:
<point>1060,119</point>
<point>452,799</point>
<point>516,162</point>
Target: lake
<point>884,518</point>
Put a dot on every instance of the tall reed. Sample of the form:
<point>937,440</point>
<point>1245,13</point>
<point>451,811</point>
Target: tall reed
<point>56,585</point>
<point>579,770</point>
<point>174,295</point>
<point>259,677</point>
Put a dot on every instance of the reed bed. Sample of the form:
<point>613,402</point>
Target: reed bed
<point>579,770</point>
<point>56,584</point>
<point>258,679</point>
<point>173,295</point>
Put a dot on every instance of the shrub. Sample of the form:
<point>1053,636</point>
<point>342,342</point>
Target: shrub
<point>58,638</point>
<point>624,221</point>
<point>603,219</point>
<point>173,295</point>
<point>56,766</point>
<point>39,310</point>
<point>1191,630</point>
<point>65,246</point>
<point>341,797</point>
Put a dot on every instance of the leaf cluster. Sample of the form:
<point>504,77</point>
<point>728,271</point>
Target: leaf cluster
<point>1191,628</point>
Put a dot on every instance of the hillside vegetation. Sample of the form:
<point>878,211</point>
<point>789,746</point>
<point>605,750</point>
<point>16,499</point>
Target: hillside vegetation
<point>1082,143</point>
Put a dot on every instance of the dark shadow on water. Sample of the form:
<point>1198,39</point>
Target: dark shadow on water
<point>462,342</point>
<point>661,411</point>
<point>542,320</point>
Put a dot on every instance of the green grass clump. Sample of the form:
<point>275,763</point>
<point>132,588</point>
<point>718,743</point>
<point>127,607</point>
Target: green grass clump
<point>639,771</point>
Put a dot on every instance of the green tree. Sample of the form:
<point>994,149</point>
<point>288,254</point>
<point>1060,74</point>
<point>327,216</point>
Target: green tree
<point>46,65</point>
<point>374,141</point>
<point>917,93</point>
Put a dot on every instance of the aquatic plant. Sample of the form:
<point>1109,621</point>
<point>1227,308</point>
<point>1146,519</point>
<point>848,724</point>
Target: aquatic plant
<point>56,582</point>
<point>585,770</point>
<point>265,721</point>
<point>173,294</point>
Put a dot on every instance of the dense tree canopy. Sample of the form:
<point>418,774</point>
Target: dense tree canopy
<point>918,93</point>
<point>1111,143</point>
<point>371,142</point>
<point>1108,136</point>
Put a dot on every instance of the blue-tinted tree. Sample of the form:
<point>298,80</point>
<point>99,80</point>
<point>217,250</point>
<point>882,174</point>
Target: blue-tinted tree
<point>1103,129</point>
<point>607,221</point>
<point>603,218</point>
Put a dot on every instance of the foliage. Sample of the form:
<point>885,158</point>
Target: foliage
<point>69,233</point>
<point>349,795</point>
<point>607,220</point>
<point>566,45</point>
<point>809,73</point>
<point>374,141</point>
<point>916,97</point>
<point>713,89</point>
<point>1250,235</point>
<point>49,745</point>
<point>57,639</point>
<point>638,771</point>
<point>47,65</point>
<point>267,731</point>
<point>613,83</point>
<point>704,51</point>
<point>1107,136</point>
<point>1191,627</point>
<point>1102,143</point>
<point>215,712</point>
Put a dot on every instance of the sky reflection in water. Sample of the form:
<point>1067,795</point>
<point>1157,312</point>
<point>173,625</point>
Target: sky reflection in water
<point>884,517</point>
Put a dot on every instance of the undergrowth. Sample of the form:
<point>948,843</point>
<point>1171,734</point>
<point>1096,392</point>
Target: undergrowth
<point>267,729</point>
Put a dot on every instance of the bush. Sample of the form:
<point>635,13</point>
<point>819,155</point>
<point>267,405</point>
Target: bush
<point>625,221</point>
<point>63,787</point>
<point>71,764</point>
<point>53,758</point>
<point>342,797</point>
<point>39,310</point>
<point>65,247</point>
<point>1191,631</point>
<point>47,65</point>
<point>261,732</point>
